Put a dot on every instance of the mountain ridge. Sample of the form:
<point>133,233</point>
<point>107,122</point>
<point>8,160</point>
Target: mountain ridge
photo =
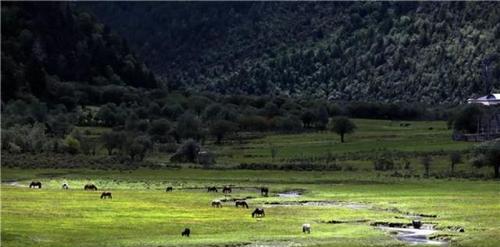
<point>418,52</point>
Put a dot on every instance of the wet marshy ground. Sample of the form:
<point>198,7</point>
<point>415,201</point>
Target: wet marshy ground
<point>414,236</point>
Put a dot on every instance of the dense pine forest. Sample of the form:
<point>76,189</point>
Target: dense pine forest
<point>372,51</point>
<point>58,55</point>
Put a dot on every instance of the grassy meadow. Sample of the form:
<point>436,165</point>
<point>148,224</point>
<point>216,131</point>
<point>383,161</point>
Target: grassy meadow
<point>141,213</point>
<point>371,136</point>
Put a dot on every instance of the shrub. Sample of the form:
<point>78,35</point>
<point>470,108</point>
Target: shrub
<point>187,152</point>
<point>139,147</point>
<point>72,145</point>
<point>383,164</point>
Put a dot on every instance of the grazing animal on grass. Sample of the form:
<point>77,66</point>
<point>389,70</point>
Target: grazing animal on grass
<point>416,224</point>
<point>212,189</point>
<point>258,212</point>
<point>306,228</point>
<point>105,195</point>
<point>65,186</point>
<point>89,187</point>
<point>169,189</point>
<point>36,184</point>
<point>186,232</point>
<point>226,190</point>
<point>264,191</point>
<point>241,203</point>
<point>217,204</point>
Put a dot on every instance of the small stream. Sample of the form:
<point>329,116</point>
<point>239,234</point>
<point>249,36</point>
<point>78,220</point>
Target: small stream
<point>414,236</point>
<point>289,194</point>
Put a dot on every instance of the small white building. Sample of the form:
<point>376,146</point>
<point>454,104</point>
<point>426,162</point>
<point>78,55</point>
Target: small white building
<point>490,99</point>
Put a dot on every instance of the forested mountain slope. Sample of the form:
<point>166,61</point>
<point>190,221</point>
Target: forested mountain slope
<point>57,54</point>
<point>372,51</point>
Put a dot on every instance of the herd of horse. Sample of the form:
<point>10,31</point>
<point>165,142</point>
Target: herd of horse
<point>65,186</point>
<point>258,212</point>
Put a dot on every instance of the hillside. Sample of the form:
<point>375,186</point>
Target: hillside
<point>57,54</point>
<point>386,52</point>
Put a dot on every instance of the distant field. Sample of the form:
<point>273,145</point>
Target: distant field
<point>142,214</point>
<point>372,138</point>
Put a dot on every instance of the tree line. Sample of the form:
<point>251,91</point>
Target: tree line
<point>155,117</point>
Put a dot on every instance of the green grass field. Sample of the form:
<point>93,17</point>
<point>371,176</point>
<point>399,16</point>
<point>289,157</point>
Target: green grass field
<point>142,214</point>
<point>372,136</point>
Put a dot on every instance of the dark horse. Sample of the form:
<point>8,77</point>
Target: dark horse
<point>264,191</point>
<point>241,203</point>
<point>36,184</point>
<point>212,189</point>
<point>258,212</point>
<point>416,224</point>
<point>227,189</point>
<point>89,187</point>
<point>105,195</point>
<point>186,232</point>
<point>169,189</point>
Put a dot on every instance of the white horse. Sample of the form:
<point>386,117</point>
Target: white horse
<point>306,228</point>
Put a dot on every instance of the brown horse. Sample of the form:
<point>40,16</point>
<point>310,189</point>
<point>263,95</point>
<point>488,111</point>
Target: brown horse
<point>89,187</point>
<point>169,189</point>
<point>258,212</point>
<point>36,184</point>
<point>212,189</point>
<point>241,203</point>
<point>264,191</point>
<point>105,195</point>
<point>217,204</point>
<point>186,232</point>
<point>226,190</point>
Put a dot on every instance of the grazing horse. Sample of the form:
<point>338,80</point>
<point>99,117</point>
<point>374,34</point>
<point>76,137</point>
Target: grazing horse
<point>186,232</point>
<point>105,195</point>
<point>226,190</point>
<point>36,184</point>
<point>258,212</point>
<point>212,189</point>
<point>89,187</point>
<point>241,203</point>
<point>217,204</point>
<point>169,189</point>
<point>306,228</point>
<point>416,224</point>
<point>264,191</point>
<point>65,186</point>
